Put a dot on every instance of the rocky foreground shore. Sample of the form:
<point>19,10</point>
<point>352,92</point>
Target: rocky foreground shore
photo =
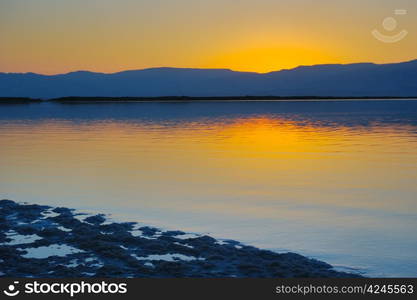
<point>43,241</point>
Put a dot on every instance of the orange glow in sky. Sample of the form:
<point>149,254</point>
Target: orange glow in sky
<point>48,36</point>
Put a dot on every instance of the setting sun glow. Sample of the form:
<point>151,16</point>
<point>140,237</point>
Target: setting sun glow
<point>47,36</point>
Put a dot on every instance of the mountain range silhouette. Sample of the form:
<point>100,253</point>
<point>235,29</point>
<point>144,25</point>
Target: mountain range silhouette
<point>335,80</point>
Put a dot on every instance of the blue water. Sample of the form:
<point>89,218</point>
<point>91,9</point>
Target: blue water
<point>334,180</point>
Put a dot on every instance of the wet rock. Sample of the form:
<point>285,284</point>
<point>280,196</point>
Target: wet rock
<point>111,250</point>
<point>96,220</point>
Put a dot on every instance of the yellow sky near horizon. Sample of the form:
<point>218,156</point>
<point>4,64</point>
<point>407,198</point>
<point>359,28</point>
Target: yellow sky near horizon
<point>56,36</point>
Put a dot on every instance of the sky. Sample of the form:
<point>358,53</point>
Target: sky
<point>59,36</point>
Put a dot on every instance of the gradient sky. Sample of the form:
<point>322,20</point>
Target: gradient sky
<point>58,36</point>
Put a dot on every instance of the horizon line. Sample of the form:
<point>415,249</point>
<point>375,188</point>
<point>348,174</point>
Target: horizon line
<point>199,68</point>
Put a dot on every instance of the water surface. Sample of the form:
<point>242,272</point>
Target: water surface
<point>334,180</point>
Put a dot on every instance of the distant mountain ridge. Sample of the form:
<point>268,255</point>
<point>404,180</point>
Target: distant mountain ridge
<point>334,80</point>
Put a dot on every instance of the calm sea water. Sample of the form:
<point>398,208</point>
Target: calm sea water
<point>334,180</point>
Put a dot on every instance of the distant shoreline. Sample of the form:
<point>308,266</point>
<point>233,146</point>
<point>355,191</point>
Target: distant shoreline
<point>69,100</point>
